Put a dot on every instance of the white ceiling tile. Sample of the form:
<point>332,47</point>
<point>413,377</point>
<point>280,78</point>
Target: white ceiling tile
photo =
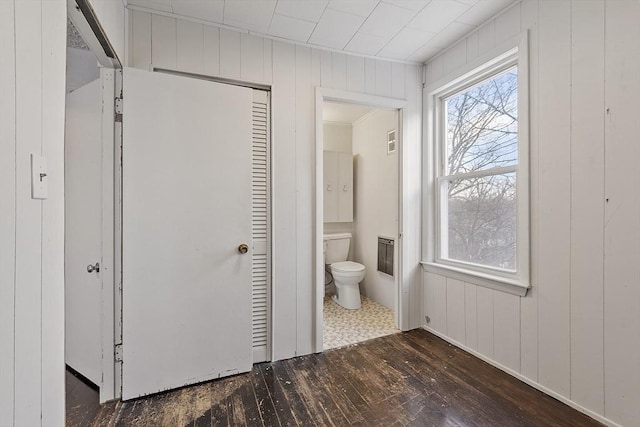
<point>440,41</point>
<point>159,5</point>
<point>355,7</point>
<point>405,43</point>
<point>335,29</point>
<point>209,10</point>
<point>482,11</point>
<point>249,14</point>
<point>309,10</point>
<point>438,14</point>
<point>291,28</point>
<point>414,5</point>
<point>397,29</point>
<point>365,44</point>
<point>386,20</point>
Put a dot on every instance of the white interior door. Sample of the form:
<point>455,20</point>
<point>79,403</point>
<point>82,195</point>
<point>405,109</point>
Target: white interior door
<point>186,210</point>
<point>83,230</point>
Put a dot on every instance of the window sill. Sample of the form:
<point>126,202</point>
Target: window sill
<point>476,278</point>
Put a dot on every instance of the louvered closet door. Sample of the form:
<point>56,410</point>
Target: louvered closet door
<point>261,282</point>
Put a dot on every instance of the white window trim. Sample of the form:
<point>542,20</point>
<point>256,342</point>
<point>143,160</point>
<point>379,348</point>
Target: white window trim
<point>513,52</point>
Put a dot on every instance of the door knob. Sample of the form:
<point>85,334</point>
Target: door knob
<point>243,248</point>
<point>92,268</point>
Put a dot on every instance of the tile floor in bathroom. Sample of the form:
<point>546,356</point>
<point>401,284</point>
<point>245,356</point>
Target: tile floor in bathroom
<point>343,326</point>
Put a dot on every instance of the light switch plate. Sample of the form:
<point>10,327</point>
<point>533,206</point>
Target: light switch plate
<point>39,178</point>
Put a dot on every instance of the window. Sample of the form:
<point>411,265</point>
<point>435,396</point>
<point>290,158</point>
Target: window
<point>480,174</point>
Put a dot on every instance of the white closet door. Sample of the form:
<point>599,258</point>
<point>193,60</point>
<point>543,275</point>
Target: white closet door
<point>187,191</point>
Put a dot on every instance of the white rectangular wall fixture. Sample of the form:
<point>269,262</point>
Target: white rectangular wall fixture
<point>385,255</point>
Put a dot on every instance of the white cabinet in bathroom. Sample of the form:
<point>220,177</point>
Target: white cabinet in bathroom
<point>338,187</point>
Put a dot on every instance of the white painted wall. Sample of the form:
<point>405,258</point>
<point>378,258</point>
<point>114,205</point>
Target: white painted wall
<point>112,16</point>
<point>337,137</point>
<point>32,96</point>
<point>82,68</point>
<point>576,334</point>
<point>375,201</point>
<point>293,72</point>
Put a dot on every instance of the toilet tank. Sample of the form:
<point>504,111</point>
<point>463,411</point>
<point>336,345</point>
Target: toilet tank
<point>336,247</point>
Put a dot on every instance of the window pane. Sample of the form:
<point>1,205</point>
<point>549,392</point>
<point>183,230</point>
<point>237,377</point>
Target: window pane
<point>482,220</point>
<point>482,125</point>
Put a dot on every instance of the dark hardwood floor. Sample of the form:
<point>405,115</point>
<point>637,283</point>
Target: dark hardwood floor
<point>411,378</point>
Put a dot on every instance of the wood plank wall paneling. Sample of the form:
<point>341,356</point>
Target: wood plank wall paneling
<point>163,42</point>
<point>31,231</point>
<point>369,75</point>
<point>622,213</point>
<point>54,29</point>
<point>587,202</point>
<point>554,196</point>
<point>411,212</point>
<point>456,324</point>
<point>7,209</point>
<point>305,178</point>
<point>252,58</point>
<point>293,71</point>
<point>284,186</point>
<point>211,46</point>
<point>576,331</point>
<point>355,71</point>
<point>230,59</point>
<point>140,41</point>
<point>28,296</point>
<point>189,46</point>
<point>339,70</point>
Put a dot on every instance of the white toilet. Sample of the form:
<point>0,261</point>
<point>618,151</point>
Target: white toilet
<point>346,274</point>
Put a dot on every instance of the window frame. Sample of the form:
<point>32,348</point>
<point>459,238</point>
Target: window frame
<point>517,282</point>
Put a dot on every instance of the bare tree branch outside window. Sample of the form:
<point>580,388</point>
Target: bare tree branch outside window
<point>482,134</point>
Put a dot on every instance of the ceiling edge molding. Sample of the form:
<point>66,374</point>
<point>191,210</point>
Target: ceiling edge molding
<point>268,36</point>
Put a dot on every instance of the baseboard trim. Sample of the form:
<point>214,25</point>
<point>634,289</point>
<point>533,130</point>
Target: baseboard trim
<point>526,380</point>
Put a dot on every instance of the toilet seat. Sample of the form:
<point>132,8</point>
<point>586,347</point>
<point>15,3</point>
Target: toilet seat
<point>347,267</point>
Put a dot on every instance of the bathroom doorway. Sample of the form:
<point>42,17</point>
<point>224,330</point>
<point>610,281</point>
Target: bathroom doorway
<point>360,227</point>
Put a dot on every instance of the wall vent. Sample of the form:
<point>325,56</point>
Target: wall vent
<point>391,141</point>
<point>385,255</point>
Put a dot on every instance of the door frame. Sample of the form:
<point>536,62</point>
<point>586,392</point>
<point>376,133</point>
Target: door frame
<point>401,304</point>
<point>84,19</point>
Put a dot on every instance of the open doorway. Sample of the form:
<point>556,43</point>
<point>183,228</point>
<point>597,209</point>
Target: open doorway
<point>360,222</point>
<point>83,213</point>
<point>91,216</point>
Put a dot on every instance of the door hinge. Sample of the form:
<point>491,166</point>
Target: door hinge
<point>117,353</point>
<point>118,109</point>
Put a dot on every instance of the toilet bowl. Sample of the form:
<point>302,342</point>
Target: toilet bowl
<point>347,275</point>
